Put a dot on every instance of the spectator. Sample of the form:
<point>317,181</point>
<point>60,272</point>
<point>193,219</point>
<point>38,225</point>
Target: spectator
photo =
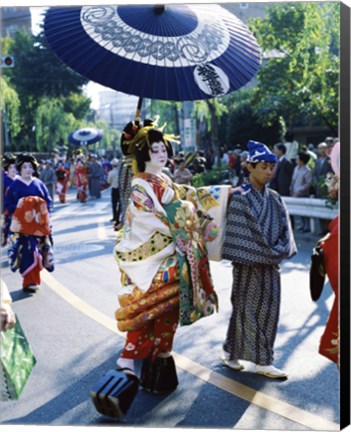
<point>284,170</point>
<point>301,183</point>
<point>244,172</point>
<point>112,179</point>
<point>330,141</point>
<point>48,176</point>
<point>199,163</point>
<point>313,156</point>
<point>292,147</point>
<point>321,169</point>
<point>182,175</point>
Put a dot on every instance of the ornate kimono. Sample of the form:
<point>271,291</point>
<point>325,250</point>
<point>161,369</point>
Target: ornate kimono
<point>163,260</point>
<point>30,242</point>
<point>258,237</point>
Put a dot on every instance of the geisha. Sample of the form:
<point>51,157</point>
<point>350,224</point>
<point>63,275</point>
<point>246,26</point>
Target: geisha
<point>162,251</point>
<point>29,204</point>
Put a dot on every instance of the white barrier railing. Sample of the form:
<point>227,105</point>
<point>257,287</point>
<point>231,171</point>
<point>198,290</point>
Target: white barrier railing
<point>313,208</point>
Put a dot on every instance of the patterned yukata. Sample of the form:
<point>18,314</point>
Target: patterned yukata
<point>258,237</point>
<point>162,257</point>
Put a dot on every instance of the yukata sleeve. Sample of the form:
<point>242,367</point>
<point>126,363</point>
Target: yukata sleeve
<point>287,236</point>
<point>10,200</point>
<point>47,197</point>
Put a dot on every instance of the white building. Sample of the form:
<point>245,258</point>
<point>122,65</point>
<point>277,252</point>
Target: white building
<point>117,108</point>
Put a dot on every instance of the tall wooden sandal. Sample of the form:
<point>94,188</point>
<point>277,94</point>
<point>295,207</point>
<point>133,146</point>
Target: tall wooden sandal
<point>115,392</point>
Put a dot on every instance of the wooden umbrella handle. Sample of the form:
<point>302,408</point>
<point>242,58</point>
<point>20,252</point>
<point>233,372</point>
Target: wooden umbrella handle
<point>138,110</point>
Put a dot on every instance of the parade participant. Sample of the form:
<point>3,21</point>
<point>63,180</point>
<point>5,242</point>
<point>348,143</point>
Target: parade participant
<point>62,175</point>
<point>112,179</point>
<point>80,178</point>
<point>8,177</point>
<point>330,339</point>
<point>258,237</point>
<point>162,258</point>
<point>95,176</point>
<point>28,203</point>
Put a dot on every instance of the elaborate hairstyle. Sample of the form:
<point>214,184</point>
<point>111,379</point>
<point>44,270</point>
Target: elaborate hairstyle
<point>129,132</point>
<point>26,157</point>
<point>137,138</point>
<point>7,160</point>
<point>144,140</point>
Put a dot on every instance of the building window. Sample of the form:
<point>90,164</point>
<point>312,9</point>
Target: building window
<point>244,5</point>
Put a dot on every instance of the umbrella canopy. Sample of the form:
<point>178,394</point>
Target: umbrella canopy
<point>85,136</point>
<point>174,52</point>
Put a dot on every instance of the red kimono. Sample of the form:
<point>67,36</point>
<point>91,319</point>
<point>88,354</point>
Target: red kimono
<point>81,181</point>
<point>62,175</point>
<point>329,343</point>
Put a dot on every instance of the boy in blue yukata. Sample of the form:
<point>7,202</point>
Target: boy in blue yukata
<point>258,237</point>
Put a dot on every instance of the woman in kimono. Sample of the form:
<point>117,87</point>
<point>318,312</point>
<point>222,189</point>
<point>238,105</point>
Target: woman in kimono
<point>161,252</point>
<point>28,204</point>
<point>80,179</point>
<point>62,181</point>
<point>8,177</point>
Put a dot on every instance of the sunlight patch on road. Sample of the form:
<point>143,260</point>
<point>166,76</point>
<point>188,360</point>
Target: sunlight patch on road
<point>229,385</point>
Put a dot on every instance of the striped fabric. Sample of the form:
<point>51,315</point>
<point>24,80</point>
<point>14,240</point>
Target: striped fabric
<point>258,237</point>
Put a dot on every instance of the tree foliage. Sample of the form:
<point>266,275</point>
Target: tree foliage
<point>50,94</point>
<point>9,107</point>
<point>299,78</point>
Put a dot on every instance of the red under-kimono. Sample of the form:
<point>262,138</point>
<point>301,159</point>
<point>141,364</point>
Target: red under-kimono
<point>329,343</point>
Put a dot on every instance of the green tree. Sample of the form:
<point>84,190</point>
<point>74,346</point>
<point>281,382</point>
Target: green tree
<point>9,109</point>
<point>38,77</point>
<point>299,79</point>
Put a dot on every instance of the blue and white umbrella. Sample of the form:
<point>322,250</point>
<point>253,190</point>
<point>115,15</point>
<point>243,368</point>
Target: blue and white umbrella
<point>85,136</point>
<point>174,52</point>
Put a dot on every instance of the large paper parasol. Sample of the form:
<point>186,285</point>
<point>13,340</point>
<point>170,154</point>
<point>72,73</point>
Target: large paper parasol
<point>174,52</point>
<point>85,136</point>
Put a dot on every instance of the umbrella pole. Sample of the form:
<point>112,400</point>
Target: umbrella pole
<point>138,110</point>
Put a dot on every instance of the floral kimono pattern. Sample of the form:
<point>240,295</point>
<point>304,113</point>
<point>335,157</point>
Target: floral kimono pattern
<point>162,256</point>
<point>31,242</point>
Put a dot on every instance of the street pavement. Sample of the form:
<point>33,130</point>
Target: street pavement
<point>71,328</point>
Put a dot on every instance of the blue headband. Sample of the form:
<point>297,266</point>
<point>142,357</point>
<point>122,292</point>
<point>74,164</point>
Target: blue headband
<point>258,152</point>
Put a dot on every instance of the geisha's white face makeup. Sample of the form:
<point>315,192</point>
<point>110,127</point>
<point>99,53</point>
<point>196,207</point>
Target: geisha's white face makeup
<point>158,157</point>
<point>27,170</point>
